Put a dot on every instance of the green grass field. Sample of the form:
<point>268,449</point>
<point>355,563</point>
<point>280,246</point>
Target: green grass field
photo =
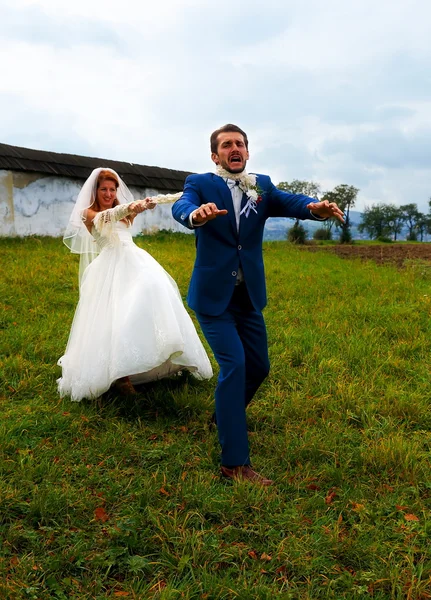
<point>122,498</point>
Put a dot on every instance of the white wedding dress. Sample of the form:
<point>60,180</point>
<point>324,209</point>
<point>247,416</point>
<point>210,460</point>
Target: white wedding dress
<point>130,321</point>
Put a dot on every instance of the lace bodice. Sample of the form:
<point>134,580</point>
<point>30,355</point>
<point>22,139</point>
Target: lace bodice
<point>120,233</point>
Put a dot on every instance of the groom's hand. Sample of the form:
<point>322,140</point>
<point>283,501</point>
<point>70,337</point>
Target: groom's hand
<point>326,210</point>
<point>207,212</point>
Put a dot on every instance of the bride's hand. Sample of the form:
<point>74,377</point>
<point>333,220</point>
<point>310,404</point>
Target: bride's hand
<point>149,204</point>
<point>138,206</point>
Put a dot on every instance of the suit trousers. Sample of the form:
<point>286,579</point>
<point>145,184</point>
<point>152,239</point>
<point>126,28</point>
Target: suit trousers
<point>239,342</point>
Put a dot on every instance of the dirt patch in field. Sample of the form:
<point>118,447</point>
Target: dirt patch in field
<point>396,254</point>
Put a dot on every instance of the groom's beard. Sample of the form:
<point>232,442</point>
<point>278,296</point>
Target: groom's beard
<point>236,171</point>
<point>231,167</point>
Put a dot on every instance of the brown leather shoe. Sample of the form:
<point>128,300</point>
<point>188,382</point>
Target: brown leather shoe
<point>245,473</point>
<point>124,386</point>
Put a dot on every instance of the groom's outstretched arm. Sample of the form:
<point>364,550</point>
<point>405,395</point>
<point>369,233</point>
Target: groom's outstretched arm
<point>191,210</point>
<point>299,206</point>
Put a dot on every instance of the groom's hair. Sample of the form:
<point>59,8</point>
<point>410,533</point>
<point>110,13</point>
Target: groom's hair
<point>225,129</point>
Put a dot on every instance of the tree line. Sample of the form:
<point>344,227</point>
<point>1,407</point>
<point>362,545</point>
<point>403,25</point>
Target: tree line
<point>380,221</point>
<point>386,221</point>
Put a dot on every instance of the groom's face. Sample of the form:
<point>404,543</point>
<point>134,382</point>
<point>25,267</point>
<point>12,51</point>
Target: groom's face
<point>231,153</point>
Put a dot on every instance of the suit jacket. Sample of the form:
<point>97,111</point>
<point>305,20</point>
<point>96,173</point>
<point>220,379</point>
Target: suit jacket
<point>221,249</point>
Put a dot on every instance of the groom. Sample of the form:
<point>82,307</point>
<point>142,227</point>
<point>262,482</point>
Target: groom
<point>227,291</point>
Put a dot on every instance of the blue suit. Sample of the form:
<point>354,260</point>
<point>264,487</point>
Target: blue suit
<point>231,315</point>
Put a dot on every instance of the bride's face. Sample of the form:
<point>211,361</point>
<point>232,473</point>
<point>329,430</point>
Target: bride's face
<point>106,194</point>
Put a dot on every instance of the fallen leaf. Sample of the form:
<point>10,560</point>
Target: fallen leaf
<point>252,554</point>
<point>100,514</point>
<point>398,507</point>
<point>411,517</point>
<point>163,491</point>
<point>313,486</point>
<point>330,497</point>
<point>265,556</point>
<point>121,594</point>
<point>281,570</point>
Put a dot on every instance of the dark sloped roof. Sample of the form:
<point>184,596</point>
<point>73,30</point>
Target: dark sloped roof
<point>14,158</point>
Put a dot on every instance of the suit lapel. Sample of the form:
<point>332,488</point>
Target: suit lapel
<point>226,196</point>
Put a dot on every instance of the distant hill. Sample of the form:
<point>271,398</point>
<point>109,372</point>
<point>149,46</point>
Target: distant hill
<point>277,228</point>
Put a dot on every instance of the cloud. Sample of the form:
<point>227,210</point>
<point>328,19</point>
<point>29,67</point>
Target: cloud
<point>142,17</point>
<point>45,131</point>
<point>33,25</point>
<point>336,93</point>
<point>388,147</point>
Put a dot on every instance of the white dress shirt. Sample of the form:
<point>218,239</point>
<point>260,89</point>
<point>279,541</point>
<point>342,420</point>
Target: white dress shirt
<point>236,193</point>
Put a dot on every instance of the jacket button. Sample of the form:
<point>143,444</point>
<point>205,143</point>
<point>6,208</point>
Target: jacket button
<point>234,273</point>
<point>240,247</point>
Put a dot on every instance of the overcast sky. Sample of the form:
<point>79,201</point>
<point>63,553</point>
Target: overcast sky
<point>335,92</point>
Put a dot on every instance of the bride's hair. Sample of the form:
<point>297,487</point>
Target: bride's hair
<point>105,175</point>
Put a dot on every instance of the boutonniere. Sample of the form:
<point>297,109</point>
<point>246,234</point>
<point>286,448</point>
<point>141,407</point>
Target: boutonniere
<point>254,195</point>
<point>248,185</point>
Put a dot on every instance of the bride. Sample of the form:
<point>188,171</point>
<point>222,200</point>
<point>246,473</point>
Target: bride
<point>130,325</point>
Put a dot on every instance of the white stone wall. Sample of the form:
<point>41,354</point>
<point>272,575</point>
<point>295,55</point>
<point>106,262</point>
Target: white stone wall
<point>35,204</point>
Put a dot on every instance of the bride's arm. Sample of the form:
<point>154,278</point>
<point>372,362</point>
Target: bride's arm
<point>104,219</point>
